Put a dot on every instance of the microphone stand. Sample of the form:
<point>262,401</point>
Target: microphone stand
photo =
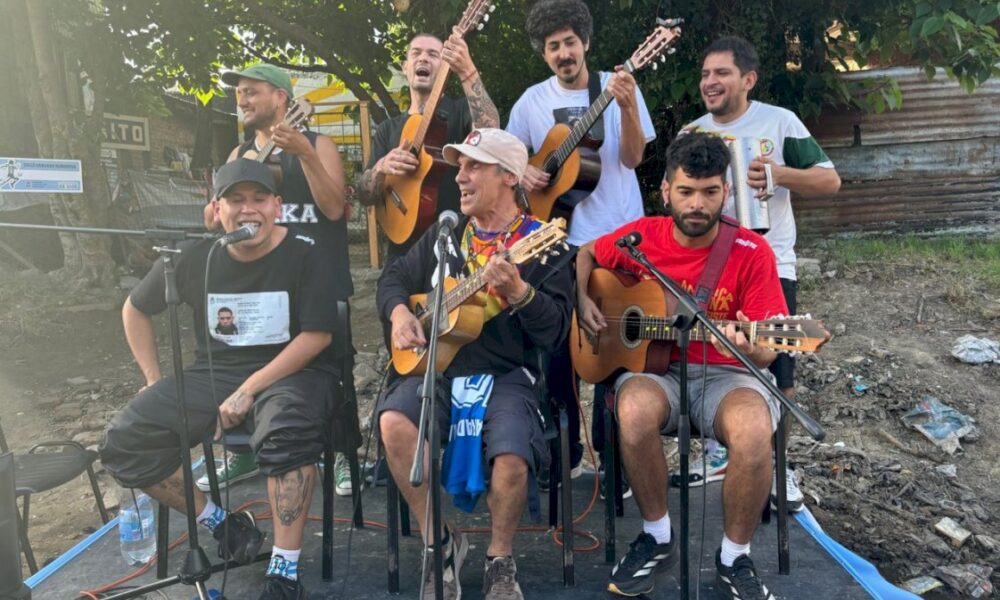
<point>429,425</point>
<point>686,316</point>
<point>196,568</point>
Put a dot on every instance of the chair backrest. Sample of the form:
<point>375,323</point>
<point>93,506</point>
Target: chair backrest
<point>10,554</point>
<point>346,426</point>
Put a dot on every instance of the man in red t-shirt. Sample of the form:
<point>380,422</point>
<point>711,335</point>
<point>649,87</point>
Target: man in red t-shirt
<point>727,402</point>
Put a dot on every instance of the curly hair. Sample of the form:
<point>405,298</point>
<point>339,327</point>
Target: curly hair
<point>701,155</point>
<point>549,16</point>
<point>744,54</point>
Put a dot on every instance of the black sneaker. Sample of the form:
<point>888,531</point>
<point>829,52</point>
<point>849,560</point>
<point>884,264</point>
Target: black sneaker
<point>740,581</point>
<point>238,537</point>
<point>279,588</point>
<point>635,572</point>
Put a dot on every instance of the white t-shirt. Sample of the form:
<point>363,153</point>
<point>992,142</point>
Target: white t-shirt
<point>786,141</point>
<point>616,200</point>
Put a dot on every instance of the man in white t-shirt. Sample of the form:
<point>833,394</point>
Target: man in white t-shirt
<point>560,31</point>
<point>798,164</point>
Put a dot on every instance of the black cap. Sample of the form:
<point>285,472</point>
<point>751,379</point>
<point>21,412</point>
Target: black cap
<point>240,170</point>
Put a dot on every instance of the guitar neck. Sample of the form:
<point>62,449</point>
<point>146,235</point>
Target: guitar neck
<point>466,288</point>
<point>584,123</point>
<point>660,329</point>
<point>265,151</point>
<point>431,106</point>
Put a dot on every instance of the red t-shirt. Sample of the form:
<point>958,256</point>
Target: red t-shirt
<point>749,281</point>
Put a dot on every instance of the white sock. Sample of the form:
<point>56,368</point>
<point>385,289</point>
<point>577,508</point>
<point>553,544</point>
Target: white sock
<point>731,551</point>
<point>284,563</point>
<point>211,516</point>
<point>659,529</point>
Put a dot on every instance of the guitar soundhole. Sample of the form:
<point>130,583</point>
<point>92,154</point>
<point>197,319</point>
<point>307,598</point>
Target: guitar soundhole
<point>631,327</point>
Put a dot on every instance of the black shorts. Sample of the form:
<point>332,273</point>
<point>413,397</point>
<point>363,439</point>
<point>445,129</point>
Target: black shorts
<point>141,446</point>
<point>513,424</point>
<point>783,367</point>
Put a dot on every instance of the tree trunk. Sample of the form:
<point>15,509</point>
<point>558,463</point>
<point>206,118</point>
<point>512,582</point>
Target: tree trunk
<point>86,257</point>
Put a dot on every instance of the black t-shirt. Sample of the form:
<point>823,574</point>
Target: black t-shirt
<point>272,300</point>
<point>459,122</point>
<point>299,211</point>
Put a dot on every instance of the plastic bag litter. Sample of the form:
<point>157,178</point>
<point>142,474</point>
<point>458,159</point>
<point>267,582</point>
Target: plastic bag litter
<point>976,351</point>
<point>969,579</point>
<point>940,423</point>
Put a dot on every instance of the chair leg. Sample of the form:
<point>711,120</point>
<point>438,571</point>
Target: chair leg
<point>780,457</point>
<point>329,466</point>
<point>162,539</point>
<point>610,476</point>
<point>555,451</point>
<point>97,495</point>
<point>569,575</point>
<point>22,531</point>
<point>356,508</point>
<point>392,539</point>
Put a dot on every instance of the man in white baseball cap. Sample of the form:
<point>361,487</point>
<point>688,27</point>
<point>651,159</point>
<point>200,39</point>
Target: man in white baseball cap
<point>527,308</point>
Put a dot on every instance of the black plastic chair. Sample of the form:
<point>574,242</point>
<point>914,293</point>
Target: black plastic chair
<point>343,436</point>
<point>34,473</point>
<point>556,430</point>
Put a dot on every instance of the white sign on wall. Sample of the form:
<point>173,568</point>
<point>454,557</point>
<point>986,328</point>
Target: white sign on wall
<point>40,175</point>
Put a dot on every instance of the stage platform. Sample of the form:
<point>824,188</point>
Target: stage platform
<point>820,569</point>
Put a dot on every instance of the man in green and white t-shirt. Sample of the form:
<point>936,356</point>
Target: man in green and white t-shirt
<point>798,164</point>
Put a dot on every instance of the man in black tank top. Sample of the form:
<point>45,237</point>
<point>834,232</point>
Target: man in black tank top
<point>312,176</point>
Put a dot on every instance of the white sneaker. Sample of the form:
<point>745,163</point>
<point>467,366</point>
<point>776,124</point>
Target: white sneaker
<point>794,497</point>
<point>717,461</point>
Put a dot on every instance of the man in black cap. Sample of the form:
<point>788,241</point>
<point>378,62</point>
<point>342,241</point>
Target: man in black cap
<point>313,200</point>
<point>274,378</point>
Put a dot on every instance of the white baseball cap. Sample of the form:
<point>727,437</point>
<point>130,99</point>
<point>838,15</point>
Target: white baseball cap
<point>491,146</point>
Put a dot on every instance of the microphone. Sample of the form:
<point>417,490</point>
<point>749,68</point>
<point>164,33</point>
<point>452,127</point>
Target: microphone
<point>447,221</point>
<point>243,233</point>
<point>629,240</point>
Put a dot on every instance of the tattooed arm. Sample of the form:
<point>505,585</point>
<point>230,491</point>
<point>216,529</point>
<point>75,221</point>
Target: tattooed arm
<point>456,54</point>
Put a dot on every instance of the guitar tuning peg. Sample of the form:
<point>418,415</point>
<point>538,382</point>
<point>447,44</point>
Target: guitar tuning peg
<point>479,27</point>
<point>545,259</point>
<point>671,50</point>
<point>663,57</point>
<point>486,17</point>
<point>493,7</point>
<point>654,66</point>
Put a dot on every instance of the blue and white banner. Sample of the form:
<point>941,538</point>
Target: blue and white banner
<point>40,175</point>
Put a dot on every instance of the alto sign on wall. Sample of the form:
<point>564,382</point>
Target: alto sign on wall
<point>125,132</point>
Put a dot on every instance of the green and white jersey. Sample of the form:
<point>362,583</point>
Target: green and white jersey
<point>786,141</point>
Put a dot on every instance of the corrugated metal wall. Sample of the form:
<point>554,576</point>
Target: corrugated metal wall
<point>932,165</point>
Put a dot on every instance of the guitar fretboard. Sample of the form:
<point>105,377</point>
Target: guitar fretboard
<point>661,329</point>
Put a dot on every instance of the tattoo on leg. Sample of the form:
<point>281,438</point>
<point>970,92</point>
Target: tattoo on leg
<point>290,496</point>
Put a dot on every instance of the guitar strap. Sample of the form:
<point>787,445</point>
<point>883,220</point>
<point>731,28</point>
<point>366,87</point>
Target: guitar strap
<point>594,87</point>
<point>717,258</point>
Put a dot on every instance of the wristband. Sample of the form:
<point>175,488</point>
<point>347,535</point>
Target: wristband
<point>523,301</point>
<point>468,77</point>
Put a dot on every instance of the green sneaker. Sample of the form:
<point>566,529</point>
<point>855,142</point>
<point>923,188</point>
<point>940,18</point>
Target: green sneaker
<point>342,475</point>
<point>239,467</point>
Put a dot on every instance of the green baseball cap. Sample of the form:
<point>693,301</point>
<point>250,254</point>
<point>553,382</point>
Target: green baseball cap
<point>263,72</point>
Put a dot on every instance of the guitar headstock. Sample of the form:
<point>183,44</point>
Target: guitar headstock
<point>476,13</point>
<point>540,241</point>
<point>659,42</point>
<point>791,334</point>
<point>298,113</point>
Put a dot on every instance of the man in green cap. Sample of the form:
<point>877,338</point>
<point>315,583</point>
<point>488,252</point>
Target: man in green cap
<point>311,186</point>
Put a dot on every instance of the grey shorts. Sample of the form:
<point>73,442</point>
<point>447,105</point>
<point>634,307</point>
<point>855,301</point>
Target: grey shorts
<point>512,426</point>
<point>705,400</point>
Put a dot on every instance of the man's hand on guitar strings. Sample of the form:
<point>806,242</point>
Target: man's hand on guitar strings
<point>407,333</point>
<point>397,162</point>
<point>622,87</point>
<point>456,54</point>
<point>534,179</point>
<point>590,317</point>
<point>504,278</point>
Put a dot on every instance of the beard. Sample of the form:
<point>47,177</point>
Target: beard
<point>695,230</point>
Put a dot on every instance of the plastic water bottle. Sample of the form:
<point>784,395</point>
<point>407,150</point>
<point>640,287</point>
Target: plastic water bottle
<point>136,527</point>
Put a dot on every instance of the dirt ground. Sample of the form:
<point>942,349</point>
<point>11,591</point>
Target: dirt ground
<point>875,485</point>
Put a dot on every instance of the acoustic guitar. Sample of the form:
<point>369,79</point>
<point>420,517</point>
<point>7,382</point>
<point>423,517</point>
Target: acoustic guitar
<point>409,202</point>
<point>574,174</point>
<point>639,337</point>
<point>296,117</point>
<point>465,302</point>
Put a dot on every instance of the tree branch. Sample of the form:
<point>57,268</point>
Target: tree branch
<point>317,45</point>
